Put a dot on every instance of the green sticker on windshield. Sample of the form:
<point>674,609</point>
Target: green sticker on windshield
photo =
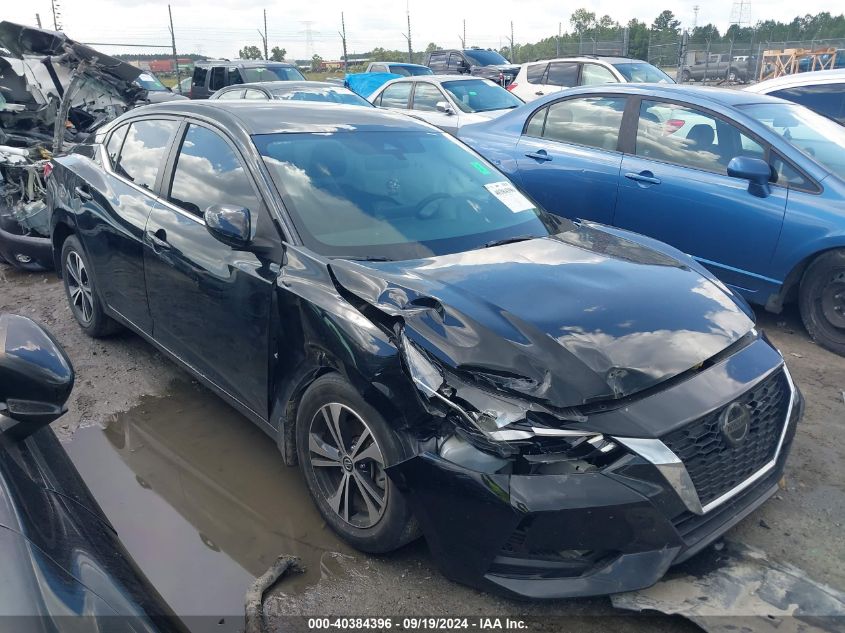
<point>481,168</point>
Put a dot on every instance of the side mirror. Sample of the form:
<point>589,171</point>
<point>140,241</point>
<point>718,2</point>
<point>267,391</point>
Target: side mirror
<point>444,107</point>
<point>36,377</point>
<point>756,171</point>
<point>229,224</point>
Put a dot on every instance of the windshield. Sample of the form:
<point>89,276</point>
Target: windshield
<point>272,73</point>
<point>395,195</point>
<point>150,82</point>
<point>818,137</point>
<point>410,71</point>
<point>486,58</point>
<point>480,95</point>
<point>325,95</point>
<point>642,72</point>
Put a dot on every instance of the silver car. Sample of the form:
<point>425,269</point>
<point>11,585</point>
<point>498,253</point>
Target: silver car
<point>447,101</point>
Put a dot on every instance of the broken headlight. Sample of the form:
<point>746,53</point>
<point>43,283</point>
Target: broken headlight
<point>504,425</point>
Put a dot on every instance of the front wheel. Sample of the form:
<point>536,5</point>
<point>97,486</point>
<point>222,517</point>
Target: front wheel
<point>822,300</point>
<point>686,77</point>
<point>344,445</point>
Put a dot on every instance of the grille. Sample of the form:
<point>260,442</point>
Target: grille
<point>713,464</point>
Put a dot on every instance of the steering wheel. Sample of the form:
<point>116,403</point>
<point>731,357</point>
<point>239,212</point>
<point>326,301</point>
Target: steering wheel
<point>424,213</point>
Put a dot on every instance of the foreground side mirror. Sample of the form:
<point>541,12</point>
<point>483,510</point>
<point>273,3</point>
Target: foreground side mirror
<point>36,377</point>
<point>444,107</point>
<point>229,224</point>
<point>756,171</point>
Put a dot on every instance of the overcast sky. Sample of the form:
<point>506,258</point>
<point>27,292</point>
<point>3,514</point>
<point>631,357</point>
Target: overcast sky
<point>221,27</point>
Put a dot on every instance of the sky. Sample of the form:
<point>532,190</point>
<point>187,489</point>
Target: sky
<point>219,28</point>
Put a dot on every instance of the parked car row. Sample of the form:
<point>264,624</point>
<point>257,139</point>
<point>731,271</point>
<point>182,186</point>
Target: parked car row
<point>561,408</point>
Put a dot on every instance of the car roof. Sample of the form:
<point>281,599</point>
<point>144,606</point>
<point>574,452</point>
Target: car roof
<point>438,78</point>
<point>269,117</point>
<point>292,85</point>
<point>699,94</point>
<point>403,64</point>
<point>590,58</point>
<point>246,63</point>
<point>835,75</point>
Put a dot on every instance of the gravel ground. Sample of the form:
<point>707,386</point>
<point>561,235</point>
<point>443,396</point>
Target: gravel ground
<point>802,525</point>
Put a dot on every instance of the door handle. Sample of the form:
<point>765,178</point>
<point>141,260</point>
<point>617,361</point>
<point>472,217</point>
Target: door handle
<point>644,177</point>
<point>539,93</point>
<point>158,240</point>
<point>82,192</point>
<point>541,155</point>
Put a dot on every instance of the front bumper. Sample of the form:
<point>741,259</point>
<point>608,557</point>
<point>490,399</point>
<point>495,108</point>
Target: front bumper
<point>560,536</point>
<point>26,252</point>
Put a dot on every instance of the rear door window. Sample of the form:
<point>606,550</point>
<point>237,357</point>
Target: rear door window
<point>437,62</point>
<point>230,95</point>
<point>590,121</point>
<point>455,63</point>
<point>826,99</point>
<point>535,72</point>
<point>115,143</point>
<point>563,74</point>
<point>209,172</point>
<point>218,78</point>
<point>255,95</point>
<point>144,150</point>
<point>396,95</point>
<point>200,74</point>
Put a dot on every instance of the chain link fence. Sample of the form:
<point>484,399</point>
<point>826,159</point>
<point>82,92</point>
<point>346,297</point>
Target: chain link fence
<point>727,62</point>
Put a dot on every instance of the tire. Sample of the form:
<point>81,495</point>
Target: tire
<point>822,300</point>
<point>334,479</point>
<point>686,77</point>
<point>81,293</point>
<point>731,75</point>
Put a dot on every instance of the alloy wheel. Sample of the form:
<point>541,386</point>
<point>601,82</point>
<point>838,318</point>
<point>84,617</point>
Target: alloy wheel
<point>79,287</point>
<point>348,465</point>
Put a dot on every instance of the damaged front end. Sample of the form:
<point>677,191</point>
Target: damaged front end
<point>54,92</point>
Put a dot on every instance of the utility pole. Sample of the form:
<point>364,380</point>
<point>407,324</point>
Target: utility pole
<point>343,39</point>
<point>464,38</point>
<point>173,44</point>
<point>38,20</point>
<point>513,51</point>
<point>266,54</point>
<point>57,13</point>
<point>559,30</point>
<point>410,47</point>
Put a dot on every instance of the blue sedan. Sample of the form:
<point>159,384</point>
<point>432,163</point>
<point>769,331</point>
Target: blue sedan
<point>751,186</point>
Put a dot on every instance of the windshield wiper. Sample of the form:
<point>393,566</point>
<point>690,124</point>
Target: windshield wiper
<point>510,240</point>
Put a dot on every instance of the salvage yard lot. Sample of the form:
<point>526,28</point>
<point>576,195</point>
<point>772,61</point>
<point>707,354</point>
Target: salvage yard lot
<point>123,382</point>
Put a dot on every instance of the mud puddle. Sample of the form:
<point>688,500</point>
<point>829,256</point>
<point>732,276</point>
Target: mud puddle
<point>201,500</point>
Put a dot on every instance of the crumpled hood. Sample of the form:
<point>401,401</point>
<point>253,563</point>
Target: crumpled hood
<point>580,317</point>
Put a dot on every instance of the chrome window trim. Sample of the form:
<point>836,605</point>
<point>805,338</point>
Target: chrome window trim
<point>676,474</point>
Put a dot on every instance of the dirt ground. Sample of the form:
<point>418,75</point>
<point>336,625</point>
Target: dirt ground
<point>801,525</point>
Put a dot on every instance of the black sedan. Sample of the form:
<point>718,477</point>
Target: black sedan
<point>561,409</point>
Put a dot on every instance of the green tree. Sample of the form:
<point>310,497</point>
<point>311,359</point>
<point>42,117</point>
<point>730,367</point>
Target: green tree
<point>316,62</point>
<point>432,47</point>
<point>278,54</point>
<point>582,21</point>
<point>666,22</point>
<point>250,52</point>
<point>637,39</point>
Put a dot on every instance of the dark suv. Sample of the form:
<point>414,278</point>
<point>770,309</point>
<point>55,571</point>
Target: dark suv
<point>212,75</point>
<point>477,62</point>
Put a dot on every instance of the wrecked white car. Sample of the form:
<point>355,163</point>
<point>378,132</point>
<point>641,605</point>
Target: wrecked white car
<point>53,93</point>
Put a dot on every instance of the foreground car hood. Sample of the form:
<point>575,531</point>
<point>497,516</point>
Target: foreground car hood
<point>580,317</point>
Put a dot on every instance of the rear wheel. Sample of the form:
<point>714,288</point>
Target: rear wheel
<point>343,446</point>
<point>81,292</point>
<point>686,77</point>
<point>822,300</point>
